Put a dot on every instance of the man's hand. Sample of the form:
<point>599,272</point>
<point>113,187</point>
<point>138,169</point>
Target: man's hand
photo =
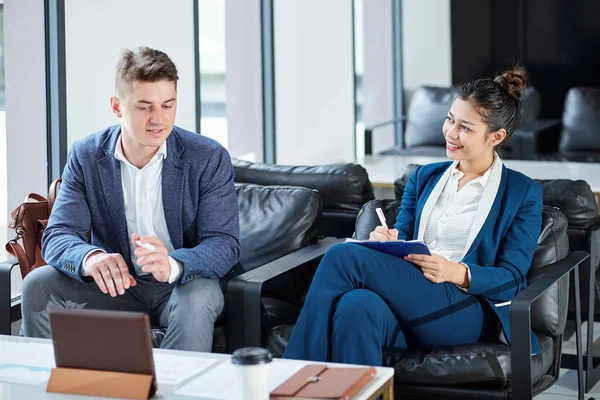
<point>383,233</point>
<point>439,269</point>
<point>154,261</point>
<point>110,273</point>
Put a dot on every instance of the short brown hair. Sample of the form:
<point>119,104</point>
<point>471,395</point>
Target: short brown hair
<point>144,65</point>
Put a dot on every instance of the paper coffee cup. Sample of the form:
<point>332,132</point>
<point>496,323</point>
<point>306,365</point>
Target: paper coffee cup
<point>252,366</point>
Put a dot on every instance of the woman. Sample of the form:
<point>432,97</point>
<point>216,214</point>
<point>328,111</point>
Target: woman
<point>481,222</point>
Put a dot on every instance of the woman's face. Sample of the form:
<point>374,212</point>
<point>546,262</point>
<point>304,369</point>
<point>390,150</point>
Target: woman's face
<point>466,134</point>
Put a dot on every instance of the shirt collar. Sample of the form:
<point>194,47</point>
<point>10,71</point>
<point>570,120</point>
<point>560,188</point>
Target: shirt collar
<point>119,155</point>
<point>483,179</point>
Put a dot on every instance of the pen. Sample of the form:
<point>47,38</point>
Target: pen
<point>145,245</point>
<point>381,217</point>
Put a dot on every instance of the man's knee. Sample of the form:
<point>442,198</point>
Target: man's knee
<point>37,286</point>
<point>199,297</point>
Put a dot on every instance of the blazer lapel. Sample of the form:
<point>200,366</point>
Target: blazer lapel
<point>174,175</point>
<point>109,170</point>
<point>432,199</point>
<point>491,217</point>
<point>487,201</point>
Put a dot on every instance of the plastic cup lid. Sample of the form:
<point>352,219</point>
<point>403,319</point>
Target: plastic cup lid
<point>251,356</point>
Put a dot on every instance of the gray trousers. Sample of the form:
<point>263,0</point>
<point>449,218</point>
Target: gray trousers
<point>188,311</point>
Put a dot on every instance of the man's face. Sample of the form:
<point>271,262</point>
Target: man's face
<point>147,112</point>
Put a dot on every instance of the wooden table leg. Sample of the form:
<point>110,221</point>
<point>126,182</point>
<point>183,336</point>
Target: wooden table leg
<point>388,393</point>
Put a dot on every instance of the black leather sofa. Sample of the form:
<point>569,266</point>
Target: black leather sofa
<point>276,222</point>
<point>487,370</point>
<point>426,114</point>
<point>344,188</point>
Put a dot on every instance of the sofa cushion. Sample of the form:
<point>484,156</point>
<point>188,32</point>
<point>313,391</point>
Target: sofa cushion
<point>275,221</point>
<point>581,119</point>
<point>480,363</point>
<point>341,186</point>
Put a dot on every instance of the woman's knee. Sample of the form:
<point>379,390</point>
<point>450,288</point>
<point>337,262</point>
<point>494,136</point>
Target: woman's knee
<point>359,305</point>
<point>340,258</point>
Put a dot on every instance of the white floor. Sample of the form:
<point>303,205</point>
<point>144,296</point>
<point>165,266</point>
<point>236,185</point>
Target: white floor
<point>566,386</point>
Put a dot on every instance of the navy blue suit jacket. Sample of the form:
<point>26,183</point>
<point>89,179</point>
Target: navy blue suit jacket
<point>501,254</point>
<point>198,194</point>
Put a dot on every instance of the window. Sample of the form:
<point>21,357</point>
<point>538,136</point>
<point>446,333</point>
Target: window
<point>213,121</point>
<point>3,184</point>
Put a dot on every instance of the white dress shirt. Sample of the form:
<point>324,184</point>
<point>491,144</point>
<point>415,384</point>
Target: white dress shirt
<point>144,211</point>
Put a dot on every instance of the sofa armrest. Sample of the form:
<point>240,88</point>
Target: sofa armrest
<point>520,321</point>
<point>6,300</point>
<point>594,224</point>
<point>244,292</point>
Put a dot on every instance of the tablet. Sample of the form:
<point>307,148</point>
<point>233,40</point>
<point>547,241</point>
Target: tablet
<point>117,341</point>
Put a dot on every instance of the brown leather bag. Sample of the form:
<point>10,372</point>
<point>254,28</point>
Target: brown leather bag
<point>29,221</point>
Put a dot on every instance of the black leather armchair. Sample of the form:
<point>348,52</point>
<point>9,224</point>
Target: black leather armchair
<point>488,370</point>
<point>578,137</point>
<point>575,199</point>
<point>344,188</point>
<point>426,114</point>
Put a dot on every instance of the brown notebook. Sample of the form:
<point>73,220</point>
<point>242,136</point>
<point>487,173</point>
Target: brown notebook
<point>315,381</point>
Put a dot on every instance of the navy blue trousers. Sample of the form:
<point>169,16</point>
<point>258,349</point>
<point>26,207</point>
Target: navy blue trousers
<point>362,300</point>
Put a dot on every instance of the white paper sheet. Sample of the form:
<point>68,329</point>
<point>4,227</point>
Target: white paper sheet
<point>220,382</point>
<point>28,363</point>
<point>174,369</point>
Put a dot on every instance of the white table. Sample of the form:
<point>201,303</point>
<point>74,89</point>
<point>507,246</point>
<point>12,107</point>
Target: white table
<point>383,170</point>
<point>381,384</point>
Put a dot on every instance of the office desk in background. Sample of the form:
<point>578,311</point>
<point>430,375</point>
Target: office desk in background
<point>384,170</point>
<point>208,381</point>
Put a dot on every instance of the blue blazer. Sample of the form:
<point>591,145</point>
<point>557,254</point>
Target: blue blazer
<point>198,194</point>
<point>500,255</point>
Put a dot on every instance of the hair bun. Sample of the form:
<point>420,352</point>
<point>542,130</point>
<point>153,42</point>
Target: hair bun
<point>513,80</point>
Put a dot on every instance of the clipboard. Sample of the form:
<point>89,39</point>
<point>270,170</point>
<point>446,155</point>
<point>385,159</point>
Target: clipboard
<point>398,248</point>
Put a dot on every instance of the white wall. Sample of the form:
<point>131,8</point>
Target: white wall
<point>426,44</point>
<point>314,81</point>
<point>97,32</point>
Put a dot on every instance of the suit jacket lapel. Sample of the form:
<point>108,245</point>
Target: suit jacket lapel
<point>487,201</point>
<point>432,199</point>
<point>174,175</point>
<point>488,224</point>
<point>109,170</point>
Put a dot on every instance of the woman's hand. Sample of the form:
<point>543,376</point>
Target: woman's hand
<point>439,269</point>
<point>383,233</point>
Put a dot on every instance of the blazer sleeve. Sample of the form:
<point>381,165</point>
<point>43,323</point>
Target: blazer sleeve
<point>64,243</point>
<point>218,248</point>
<point>503,281</point>
<point>405,221</point>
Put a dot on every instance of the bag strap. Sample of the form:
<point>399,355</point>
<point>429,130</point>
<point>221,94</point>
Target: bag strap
<point>16,250</point>
<point>52,194</point>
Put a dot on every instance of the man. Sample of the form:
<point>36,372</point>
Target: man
<point>163,213</point>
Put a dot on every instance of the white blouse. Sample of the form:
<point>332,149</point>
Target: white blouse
<point>449,224</point>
